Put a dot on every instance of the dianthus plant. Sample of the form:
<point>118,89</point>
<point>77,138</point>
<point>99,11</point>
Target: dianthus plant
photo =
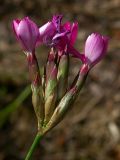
<point>52,97</point>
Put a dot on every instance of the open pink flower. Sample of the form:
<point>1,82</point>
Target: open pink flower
<point>66,34</point>
<point>27,33</point>
<point>95,48</point>
<point>55,34</point>
<point>73,29</point>
<point>47,31</point>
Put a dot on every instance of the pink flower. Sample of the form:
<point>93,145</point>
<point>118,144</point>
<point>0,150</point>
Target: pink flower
<point>27,33</point>
<point>57,22</point>
<point>55,34</point>
<point>73,29</point>
<point>60,40</point>
<point>47,31</point>
<point>95,48</point>
<point>66,34</point>
<point>61,36</point>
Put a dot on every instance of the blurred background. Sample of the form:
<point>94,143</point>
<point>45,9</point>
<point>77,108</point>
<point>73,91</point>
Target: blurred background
<point>91,130</point>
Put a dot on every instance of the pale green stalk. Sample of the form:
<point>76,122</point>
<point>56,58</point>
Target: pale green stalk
<point>33,146</point>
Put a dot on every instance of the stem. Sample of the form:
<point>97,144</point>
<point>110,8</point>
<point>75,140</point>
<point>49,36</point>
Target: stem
<point>5,113</point>
<point>33,146</point>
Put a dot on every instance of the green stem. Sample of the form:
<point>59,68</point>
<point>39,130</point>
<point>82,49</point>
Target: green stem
<point>6,111</point>
<point>33,146</point>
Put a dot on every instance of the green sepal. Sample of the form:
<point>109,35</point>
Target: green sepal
<point>38,104</point>
<point>61,110</point>
<point>49,107</point>
<point>63,67</point>
<point>66,102</point>
<point>62,77</point>
<point>50,88</point>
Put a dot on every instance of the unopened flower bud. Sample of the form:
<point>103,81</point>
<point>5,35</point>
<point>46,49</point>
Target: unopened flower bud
<point>34,69</point>
<point>38,104</point>
<point>62,77</point>
<point>61,110</point>
<point>66,102</point>
<point>50,94</point>
<point>95,48</point>
<point>27,33</point>
<point>50,64</point>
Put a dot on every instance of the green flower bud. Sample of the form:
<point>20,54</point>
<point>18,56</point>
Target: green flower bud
<point>50,94</point>
<point>66,102</point>
<point>62,77</point>
<point>38,104</point>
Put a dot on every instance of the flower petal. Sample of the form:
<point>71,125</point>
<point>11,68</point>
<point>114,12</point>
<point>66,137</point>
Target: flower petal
<point>27,33</point>
<point>57,22</point>
<point>74,32</point>
<point>47,31</point>
<point>95,48</point>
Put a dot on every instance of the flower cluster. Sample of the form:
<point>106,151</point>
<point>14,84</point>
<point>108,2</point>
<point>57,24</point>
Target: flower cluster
<point>51,95</point>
